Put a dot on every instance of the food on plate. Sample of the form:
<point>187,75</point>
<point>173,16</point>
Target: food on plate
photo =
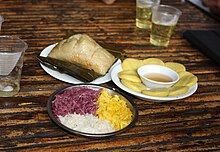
<point>184,73</point>
<point>177,90</point>
<point>113,109</point>
<point>131,64</point>
<point>129,72</point>
<point>159,92</point>
<point>193,81</point>
<point>134,64</point>
<point>79,100</point>
<point>155,61</point>
<point>91,110</point>
<point>76,70</point>
<point>88,123</point>
<point>187,80</point>
<point>130,77</point>
<point>178,67</point>
<point>138,87</point>
<point>164,92</point>
<point>83,50</point>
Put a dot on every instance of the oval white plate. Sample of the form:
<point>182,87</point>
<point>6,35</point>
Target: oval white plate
<point>116,80</point>
<point>69,79</point>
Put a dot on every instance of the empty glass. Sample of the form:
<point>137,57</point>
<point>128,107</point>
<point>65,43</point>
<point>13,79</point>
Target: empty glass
<point>12,51</point>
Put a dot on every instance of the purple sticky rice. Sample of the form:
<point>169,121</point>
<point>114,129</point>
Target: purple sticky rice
<point>78,100</point>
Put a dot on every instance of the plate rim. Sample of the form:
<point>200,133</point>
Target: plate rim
<point>116,80</point>
<point>67,78</point>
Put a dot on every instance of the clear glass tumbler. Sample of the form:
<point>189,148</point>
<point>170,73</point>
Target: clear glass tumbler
<point>144,13</point>
<point>164,20</point>
<point>12,51</point>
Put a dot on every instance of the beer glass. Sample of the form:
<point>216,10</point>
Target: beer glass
<point>144,13</point>
<point>164,19</point>
<point>11,61</point>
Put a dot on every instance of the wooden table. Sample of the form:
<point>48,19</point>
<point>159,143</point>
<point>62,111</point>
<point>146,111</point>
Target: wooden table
<point>188,124</point>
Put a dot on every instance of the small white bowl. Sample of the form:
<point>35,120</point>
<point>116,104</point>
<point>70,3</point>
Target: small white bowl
<point>156,76</point>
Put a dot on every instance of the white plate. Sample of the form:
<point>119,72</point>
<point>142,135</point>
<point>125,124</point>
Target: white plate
<point>69,79</point>
<point>116,80</point>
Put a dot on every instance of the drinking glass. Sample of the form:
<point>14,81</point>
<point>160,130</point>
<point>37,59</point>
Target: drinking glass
<point>164,20</point>
<point>144,13</point>
<point>12,51</point>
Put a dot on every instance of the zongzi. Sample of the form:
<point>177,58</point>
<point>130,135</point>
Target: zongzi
<point>83,50</point>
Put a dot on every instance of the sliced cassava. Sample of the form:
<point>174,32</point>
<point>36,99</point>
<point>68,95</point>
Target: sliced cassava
<point>155,61</point>
<point>178,67</point>
<point>138,87</point>
<point>160,92</point>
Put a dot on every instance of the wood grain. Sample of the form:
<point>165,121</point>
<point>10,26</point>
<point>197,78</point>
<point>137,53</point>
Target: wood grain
<point>190,124</point>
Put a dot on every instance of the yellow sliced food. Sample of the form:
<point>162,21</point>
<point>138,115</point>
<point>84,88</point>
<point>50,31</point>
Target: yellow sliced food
<point>117,111</point>
<point>193,80</point>
<point>160,92</point>
<point>130,77</point>
<point>188,80</point>
<point>177,90</point>
<point>178,67</point>
<point>131,72</point>
<point>184,73</point>
<point>153,61</point>
<point>131,64</point>
<point>138,87</point>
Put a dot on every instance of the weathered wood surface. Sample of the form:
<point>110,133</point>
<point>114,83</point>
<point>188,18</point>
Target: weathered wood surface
<point>191,124</point>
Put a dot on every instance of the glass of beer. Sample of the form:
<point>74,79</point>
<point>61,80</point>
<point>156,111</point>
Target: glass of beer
<point>144,13</point>
<point>164,19</point>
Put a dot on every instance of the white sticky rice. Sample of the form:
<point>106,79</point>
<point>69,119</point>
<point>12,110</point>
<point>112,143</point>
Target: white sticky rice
<point>87,123</point>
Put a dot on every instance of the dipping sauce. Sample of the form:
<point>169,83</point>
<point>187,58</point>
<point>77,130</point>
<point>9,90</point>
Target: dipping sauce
<point>158,77</point>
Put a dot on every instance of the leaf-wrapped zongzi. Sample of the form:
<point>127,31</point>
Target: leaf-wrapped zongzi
<point>83,50</point>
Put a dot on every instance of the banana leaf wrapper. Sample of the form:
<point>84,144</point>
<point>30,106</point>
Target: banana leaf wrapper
<point>75,70</point>
<point>114,50</point>
<point>78,71</point>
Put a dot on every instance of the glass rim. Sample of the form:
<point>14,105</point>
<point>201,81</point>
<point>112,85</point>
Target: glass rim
<point>179,12</point>
<point>16,38</point>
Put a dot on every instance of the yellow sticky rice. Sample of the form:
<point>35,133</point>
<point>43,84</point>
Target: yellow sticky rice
<point>113,109</point>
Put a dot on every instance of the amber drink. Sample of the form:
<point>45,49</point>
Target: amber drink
<point>164,20</point>
<point>144,13</point>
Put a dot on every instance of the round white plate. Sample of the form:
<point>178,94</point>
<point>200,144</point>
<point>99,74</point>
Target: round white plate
<point>69,79</point>
<point>116,80</point>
